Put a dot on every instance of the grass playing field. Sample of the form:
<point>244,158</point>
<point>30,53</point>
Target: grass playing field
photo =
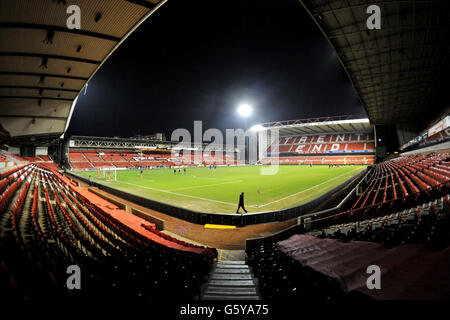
<point>218,190</point>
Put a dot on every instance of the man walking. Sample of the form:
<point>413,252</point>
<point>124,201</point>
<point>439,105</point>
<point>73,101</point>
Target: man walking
<point>241,203</point>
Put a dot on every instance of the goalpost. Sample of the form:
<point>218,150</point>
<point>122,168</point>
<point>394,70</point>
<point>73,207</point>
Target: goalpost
<point>106,173</point>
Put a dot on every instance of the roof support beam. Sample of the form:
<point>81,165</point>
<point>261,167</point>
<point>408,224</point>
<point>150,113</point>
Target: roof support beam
<point>382,49</point>
<point>420,84</point>
<point>345,5</point>
<point>310,130</point>
<point>371,66</point>
<point>353,29</point>
<point>20,25</point>
<point>320,130</point>
<point>49,56</point>
<point>300,131</point>
<point>394,98</point>
<point>392,50</point>
<point>394,103</point>
<point>392,92</point>
<point>372,42</point>
<point>376,110</point>
<point>39,88</point>
<point>353,33</point>
<point>343,129</point>
<point>36,98</point>
<point>362,77</point>
<point>32,116</point>
<point>41,74</point>
<point>37,139</point>
<point>352,127</point>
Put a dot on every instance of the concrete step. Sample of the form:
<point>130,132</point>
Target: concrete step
<point>230,291</point>
<point>231,270</point>
<point>223,262</point>
<point>232,266</point>
<point>231,280</point>
<point>231,276</point>
<point>232,283</point>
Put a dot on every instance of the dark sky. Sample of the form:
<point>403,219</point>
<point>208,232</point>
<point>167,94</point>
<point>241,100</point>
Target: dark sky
<point>197,60</point>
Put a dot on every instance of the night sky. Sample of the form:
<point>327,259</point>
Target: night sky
<point>198,60</point>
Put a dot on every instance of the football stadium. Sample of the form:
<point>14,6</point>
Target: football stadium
<point>104,195</point>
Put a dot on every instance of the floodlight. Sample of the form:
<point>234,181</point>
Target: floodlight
<point>257,127</point>
<point>244,110</point>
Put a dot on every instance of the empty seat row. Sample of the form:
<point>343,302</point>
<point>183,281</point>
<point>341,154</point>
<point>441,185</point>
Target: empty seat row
<point>404,177</point>
<point>46,226</point>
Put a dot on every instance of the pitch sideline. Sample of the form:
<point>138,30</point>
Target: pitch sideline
<point>230,203</point>
<point>183,195</point>
<point>206,185</point>
<point>266,204</point>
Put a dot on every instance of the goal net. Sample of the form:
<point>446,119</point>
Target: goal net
<point>107,174</point>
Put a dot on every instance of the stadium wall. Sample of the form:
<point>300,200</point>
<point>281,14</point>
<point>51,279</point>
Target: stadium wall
<point>406,133</point>
<point>435,148</point>
<point>120,205</point>
<point>159,223</point>
<point>223,218</point>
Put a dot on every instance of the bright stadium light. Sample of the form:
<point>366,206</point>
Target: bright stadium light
<point>244,110</point>
<point>257,127</point>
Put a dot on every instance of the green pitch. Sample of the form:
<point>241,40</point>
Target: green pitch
<point>206,190</point>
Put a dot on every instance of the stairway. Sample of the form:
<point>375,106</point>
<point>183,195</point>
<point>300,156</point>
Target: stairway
<point>231,280</point>
<point>87,159</point>
<point>125,159</point>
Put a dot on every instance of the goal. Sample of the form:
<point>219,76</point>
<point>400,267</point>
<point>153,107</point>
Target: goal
<point>107,174</point>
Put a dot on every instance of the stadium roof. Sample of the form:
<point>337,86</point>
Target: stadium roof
<point>44,65</point>
<point>135,143</point>
<point>325,125</point>
<point>401,72</point>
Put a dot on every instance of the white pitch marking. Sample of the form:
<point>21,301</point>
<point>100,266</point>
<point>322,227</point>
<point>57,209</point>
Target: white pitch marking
<point>266,204</point>
<point>183,195</point>
<point>205,185</point>
<point>233,204</point>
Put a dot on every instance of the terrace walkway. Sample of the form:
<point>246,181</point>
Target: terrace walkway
<point>231,278</point>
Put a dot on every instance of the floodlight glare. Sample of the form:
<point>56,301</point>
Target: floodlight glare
<point>244,110</point>
<point>257,127</point>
